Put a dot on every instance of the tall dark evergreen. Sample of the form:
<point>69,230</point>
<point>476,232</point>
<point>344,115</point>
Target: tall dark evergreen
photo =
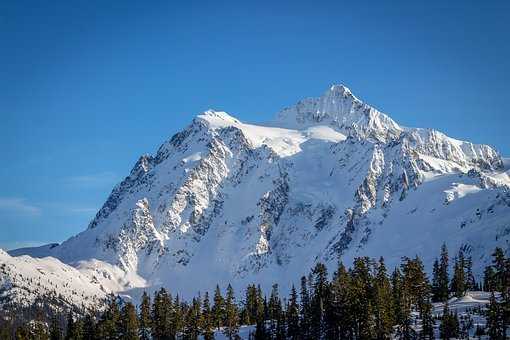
<point>129,322</point>
<point>293,315</point>
<point>383,308</point>
<point>206,320</point>
<point>442,290</point>
<point>218,309</point>
<point>231,329</point>
<point>458,284</point>
<point>304,309</point>
<point>362,299</point>
<point>55,329</point>
<point>145,317</point>
<point>449,327</point>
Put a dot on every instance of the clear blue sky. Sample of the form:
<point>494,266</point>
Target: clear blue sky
<point>88,86</point>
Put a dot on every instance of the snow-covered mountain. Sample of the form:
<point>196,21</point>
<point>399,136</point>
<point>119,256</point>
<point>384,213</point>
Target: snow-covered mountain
<point>330,178</point>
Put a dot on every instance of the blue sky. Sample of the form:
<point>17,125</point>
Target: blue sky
<point>86,87</point>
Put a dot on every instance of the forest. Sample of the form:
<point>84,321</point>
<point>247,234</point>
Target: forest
<point>363,301</point>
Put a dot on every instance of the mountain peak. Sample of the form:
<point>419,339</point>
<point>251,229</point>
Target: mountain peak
<point>339,109</point>
<point>217,119</point>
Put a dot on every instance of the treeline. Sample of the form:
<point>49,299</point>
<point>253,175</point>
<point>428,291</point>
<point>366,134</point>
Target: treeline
<point>364,301</point>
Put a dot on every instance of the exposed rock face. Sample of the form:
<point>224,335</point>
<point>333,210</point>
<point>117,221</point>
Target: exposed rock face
<point>223,201</point>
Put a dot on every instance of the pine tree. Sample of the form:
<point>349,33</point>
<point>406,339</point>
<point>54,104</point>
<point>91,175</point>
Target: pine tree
<point>74,329</point>
<point>207,323</point>
<point>218,309</point>
<point>341,321</point>
<point>458,284</point>
<point>275,309</point>
<point>162,327</point>
<point>109,323</point>
<point>382,307</point>
<point>231,315</point>
<point>177,315</point>
<point>362,298</point>
<point>489,284</point>
<point>129,322</point>
<point>192,323</point>
<point>449,327</point>
<point>495,319</point>
<point>319,300</point>
<point>145,317</point>
<point>89,327</point>
<point>470,277</point>
<point>427,319</point>
<point>435,282</point>
<point>293,315</point>
<point>55,329</point>
<point>443,277</point>
<point>304,311</point>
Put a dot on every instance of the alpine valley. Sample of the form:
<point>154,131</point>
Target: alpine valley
<point>223,201</point>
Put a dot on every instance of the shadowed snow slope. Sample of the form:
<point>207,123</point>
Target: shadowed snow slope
<point>331,178</point>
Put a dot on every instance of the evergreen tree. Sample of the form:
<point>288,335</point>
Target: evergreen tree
<point>319,300</point>
<point>382,305</point>
<point>436,293</point>
<point>129,322</point>
<point>293,315</point>
<point>55,329</point>
<point>109,323</point>
<point>89,327</point>
<point>145,317</point>
<point>470,277</point>
<point>192,323</point>
<point>162,327</point>
<point>362,299</point>
<point>74,329</point>
<point>427,322</point>
<point>458,284</point>
<point>489,284</point>
<point>275,309</point>
<point>218,309</point>
<point>449,327</point>
<point>341,322</point>
<point>495,320</point>
<point>231,315</point>
<point>304,311</point>
<point>207,323</point>
<point>443,277</point>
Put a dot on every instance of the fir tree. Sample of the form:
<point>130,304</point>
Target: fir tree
<point>458,284</point>
<point>55,329</point>
<point>495,319</point>
<point>382,305</point>
<point>443,277</point>
<point>218,309</point>
<point>109,323</point>
<point>293,315</point>
<point>304,310</point>
<point>74,328</point>
<point>192,323</point>
<point>231,315</point>
<point>89,327</point>
<point>206,320</point>
<point>129,322</point>
<point>362,299</point>
<point>449,327</point>
<point>427,319</point>
<point>145,317</point>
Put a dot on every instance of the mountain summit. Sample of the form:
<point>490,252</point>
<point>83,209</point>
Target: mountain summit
<point>331,178</point>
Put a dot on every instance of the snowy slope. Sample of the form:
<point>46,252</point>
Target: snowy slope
<point>24,279</point>
<point>331,177</point>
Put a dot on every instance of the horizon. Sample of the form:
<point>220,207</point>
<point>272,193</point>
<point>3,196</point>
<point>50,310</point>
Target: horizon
<point>89,87</point>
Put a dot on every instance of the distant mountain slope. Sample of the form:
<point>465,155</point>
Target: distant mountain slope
<point>331,178</point>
